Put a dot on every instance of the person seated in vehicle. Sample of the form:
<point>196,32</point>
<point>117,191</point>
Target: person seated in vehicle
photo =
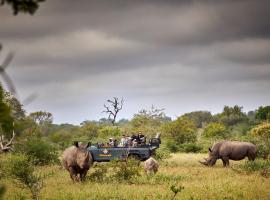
<point>143,139</point>
<point>123,141</point>
<point>111,142</point>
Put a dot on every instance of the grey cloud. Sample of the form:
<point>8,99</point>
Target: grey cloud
<point>181,55</point>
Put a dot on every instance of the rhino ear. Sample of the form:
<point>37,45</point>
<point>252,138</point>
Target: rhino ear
<point>76,144</point>
<point>209,149</point>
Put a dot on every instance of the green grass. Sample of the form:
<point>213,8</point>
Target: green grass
<point>199,182</point>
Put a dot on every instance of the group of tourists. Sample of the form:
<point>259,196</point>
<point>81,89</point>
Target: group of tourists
<point>128,141</point>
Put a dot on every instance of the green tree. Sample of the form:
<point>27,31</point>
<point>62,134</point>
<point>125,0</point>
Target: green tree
<point>43,119</point>
<point>23,173</point>
<point>180,131</point>
<point>25,6</point>
<point>149,121</point>
<point>90,129</point>
<point>199,117</point>
<point>18,112</point>
<point>263,113</point>
<point>215,130</point>
<point>231,115</point>
<point>262,131</point>
<point>6,119</point>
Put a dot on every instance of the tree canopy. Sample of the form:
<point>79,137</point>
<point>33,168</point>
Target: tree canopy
<point>22,6</point>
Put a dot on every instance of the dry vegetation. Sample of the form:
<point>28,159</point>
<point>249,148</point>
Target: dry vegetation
<point>180,170</point>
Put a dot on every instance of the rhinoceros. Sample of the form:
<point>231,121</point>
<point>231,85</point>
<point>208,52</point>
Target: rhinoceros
<point>77,159</point>
<point>151,166</point>
<point>230,150</point>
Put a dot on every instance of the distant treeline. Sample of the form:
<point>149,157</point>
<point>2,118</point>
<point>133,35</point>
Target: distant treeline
<point>191,132</point>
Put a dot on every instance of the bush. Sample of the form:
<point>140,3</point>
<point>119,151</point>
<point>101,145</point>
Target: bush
<point>109,131</point>
<point>39,151</point>
<point>99,174</point>
<point>125,171</point>
<point>19,168</point>
<point>252,166</point>
<point>2,192</point>
<point>214,129</point>
<point>180,131</point>
<point>190,148</point>
<point>162,153</point>
<point>172,146</point>
<point>262,151</point>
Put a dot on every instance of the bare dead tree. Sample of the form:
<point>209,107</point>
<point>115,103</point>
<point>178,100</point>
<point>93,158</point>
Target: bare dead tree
<point>5,144</point>
<point>114,108</point>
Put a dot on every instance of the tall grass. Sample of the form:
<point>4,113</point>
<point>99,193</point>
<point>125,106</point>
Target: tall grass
<point>183,170</point>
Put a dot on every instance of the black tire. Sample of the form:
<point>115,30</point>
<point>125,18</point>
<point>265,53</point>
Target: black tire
<point>134,156</point>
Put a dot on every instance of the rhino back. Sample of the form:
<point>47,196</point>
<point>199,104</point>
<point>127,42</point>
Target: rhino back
<point>236,150</point>
<point>151,163</point>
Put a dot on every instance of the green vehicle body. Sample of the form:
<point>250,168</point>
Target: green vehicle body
<point>106,154</point>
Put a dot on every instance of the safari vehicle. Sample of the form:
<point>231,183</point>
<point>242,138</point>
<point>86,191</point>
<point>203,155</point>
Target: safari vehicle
<point>142,152</point>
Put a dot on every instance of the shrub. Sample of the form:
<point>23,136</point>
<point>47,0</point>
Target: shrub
<point>162,153</point>
<point>190,148</point>
<point>109,131</point>
<point>262,131</point>
<point>172,146</point>
<point>257,165</point>
<point>39,151</point>
<point>125,171</point>
<point>99,174</point>
<point>180,131</point>
<point>262,151</point>
<point>2,192</point>
<point>214,129</point>
<point>19,168</point>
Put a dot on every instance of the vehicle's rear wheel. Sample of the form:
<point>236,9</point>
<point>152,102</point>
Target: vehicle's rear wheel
<point>134,156</point>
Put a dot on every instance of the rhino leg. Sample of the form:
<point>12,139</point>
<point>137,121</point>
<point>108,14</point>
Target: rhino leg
<point>73,174</point>
<point>225,161</point>
<point>251,156</point>
<point>83,175</point>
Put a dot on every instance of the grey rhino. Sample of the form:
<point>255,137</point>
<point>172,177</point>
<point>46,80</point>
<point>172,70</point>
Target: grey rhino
<point>151,166</point>
<point>230,150</point>
<point>77,159</point>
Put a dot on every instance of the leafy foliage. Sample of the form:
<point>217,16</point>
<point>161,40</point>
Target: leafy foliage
<point>215,129</point>
<point>199,117</point>
<point>39,151</point>
<point>162,153</point>
<point>190,148</point>
<point>25,6</point>
<point>2,192</point>
<point>252,166</point>
<point>263,113</point>
<point>176,190</point>
<point>149,121</point>
<point>6,119</point>
<point>21,169</point>
<point>263,131</point>
<point>231,115</point>
<point>125,171</point>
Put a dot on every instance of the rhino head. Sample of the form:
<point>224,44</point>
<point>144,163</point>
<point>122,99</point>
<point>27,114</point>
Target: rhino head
<point>211,160</point>
<point>83,155</point>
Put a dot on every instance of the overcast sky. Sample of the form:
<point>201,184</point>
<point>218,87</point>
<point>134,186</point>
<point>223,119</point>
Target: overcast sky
<point>178,55</point>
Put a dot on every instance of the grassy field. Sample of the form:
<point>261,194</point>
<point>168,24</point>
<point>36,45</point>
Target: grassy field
<point>180,170</point>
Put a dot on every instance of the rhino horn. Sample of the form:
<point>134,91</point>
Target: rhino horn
<point>204,163</point>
